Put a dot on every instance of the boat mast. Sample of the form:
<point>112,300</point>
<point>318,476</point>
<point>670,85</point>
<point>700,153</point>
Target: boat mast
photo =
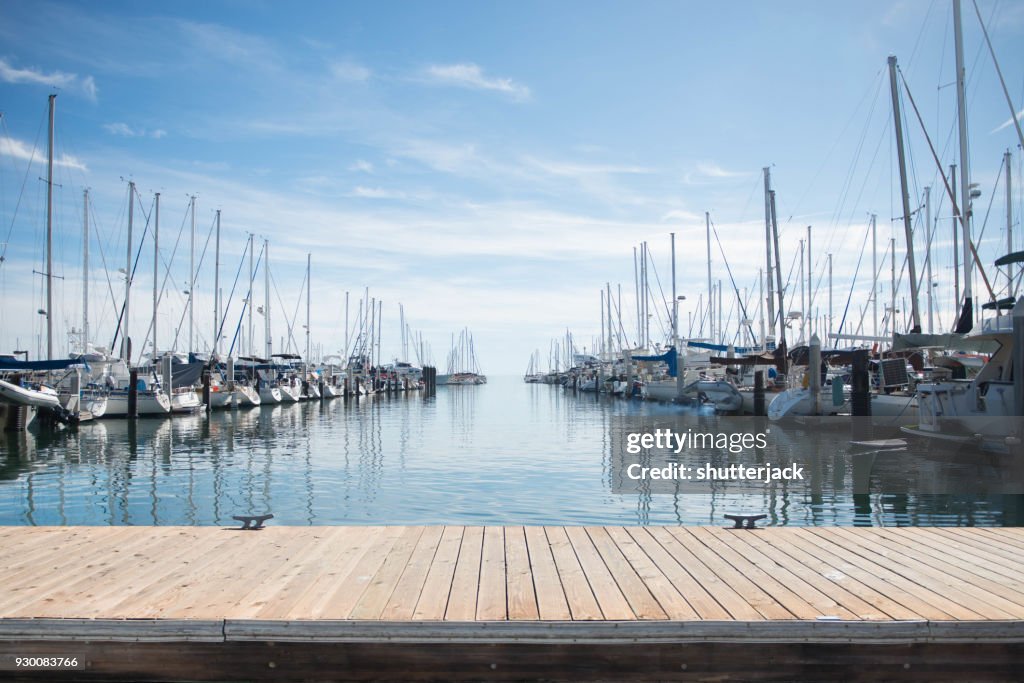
<point>928,256</point>
<point>125,341</point>
<point>156,267</point>
<point>192,277</point>
<point>711,298</point>
<point>85,273</point>
<point>965,167</point>
<point>252,279</point>
<point>216,290</point>
<point>266,298</point>
<point>956,246</point>
<point>1008,160</point>
<point>768,250</point>
<point>778,279</point>
<point>830,321</point>
<point>892,286</point>
<point>309,261</point>
<point>803,298</point>
<point>907,227</point>
<point>49,235</point>
<point>810,293</point>
<point>874,274</point>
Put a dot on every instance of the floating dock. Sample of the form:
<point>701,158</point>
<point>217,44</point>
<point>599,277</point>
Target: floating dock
<point>472,603</point>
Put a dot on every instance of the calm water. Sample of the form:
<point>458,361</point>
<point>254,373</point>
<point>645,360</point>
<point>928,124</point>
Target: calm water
<point>504,453</point>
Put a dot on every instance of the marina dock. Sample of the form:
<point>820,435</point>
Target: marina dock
<point>451,602</point>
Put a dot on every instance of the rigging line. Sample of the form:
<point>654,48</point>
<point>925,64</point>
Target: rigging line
<point>735,289</point>
<point>657,278</point>
<point>290,324</point>
<point>167,275</point>
<point>192,276</point>
<point>131,276</point>
<point>952,198</point>
<point>853,283</point>
<point>103,257</point>
<point>24,182</point>
<point>238,273</point>
<point>248,302</point>
<point>999,72</point>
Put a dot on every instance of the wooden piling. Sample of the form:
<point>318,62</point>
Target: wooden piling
<point>207,403</point>
<point>133,393</point>
<point>759,407</point>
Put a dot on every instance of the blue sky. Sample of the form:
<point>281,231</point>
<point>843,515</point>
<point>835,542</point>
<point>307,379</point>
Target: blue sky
<point>489,165</point>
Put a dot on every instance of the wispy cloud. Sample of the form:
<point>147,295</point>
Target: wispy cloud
<point>1009,122</point>
<point>18,149</point>
<point>572,169</point>
<point>361,166</point>
<point>124,130</point>
<point>57,79</point>
<point>350,71</point>
<point>376,193</point>
<point>472,76</point>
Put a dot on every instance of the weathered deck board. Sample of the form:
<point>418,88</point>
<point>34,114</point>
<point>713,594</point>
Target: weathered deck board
<point>531,575</point>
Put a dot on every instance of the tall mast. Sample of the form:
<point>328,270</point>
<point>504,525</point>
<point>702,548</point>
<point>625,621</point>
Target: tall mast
<point>85,273</point>
<point>810,292</point>
<point>711,298</point>
<point>956,248</point>
<point>346,328</point>
<point>928,257</point>
<point>830,328</point>
<point>892,285</point>
<point>768,248</point>
<point>156,267</point>
<point>874,274</point>
<point>636,286</point>
<point>128,275</point>
<point>266,298</point>
<point>907,227</point>
<point>760,307</point>
<point>192,277</point>
<point>803,295</point>
<point>675,300</point>
<point>216,290</point>
<point>965,165</point>
<point>252,282</point>
<point>49,235</point>
<point>309,261</point>
<point>608,305</point>
<point>603,330</point>
<point>778,279</point>
<point>1007,159</point>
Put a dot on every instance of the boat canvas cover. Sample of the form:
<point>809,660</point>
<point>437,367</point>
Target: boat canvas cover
<point>669,358</point>
<point>952,341</point>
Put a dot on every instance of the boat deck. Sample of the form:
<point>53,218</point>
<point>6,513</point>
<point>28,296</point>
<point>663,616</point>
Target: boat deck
<point>520,600</point>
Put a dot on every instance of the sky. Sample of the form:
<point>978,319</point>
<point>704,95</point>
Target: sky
<point>484,165</point>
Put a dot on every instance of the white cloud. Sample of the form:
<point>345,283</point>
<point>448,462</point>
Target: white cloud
<point>376,193</point>
<point>56,79</point>
<point>362,166</point>
<point>472,76</point>
<point>350,71</point>
<point>562,168</point>
<point>124,130</point>
<point>18,149</point>
<point>1009,122</point>
<point>713,170</point>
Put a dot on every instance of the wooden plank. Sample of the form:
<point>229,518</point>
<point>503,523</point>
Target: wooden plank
<point>226,579</point>
<point>613,603</point>
<point>804,602</point>
<point>901,589</point>
<point>863,600</point>
<point>801,579</point>
<point>88,585</point>
<point>274,593</point>
<point>998,554</point>
<point>53,571</point>
<point>637,590</point>
<point>466,581</point>
<point>402,603</point>
<point>437,588</point>
<point>942,581</point>
<point>892,587</point>
<point>344,596</point>
<point>62,549</point>
<point>492,601</point>
<point>375,597</point>
<point>1008,584</point>
<point>697,596</point>
<point>748,591</point>
<point>344,554</point>
<point>1006,535</point>
<point>522,598</point>
<point>706,576</point>
<point>578,594</point>
<point>551,600</point>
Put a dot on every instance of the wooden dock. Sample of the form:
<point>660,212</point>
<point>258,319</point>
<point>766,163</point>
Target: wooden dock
<point>604,603</point>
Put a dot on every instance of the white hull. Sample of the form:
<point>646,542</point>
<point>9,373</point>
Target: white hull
<point>147,403</point>
<point>12,393</point>
<point>290,394</point>
<point>892,410</point>
<point>246,397</point>
<point>270,395</point>
<point>221,398</point>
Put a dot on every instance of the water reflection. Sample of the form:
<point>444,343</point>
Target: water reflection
<point>505,452</point>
